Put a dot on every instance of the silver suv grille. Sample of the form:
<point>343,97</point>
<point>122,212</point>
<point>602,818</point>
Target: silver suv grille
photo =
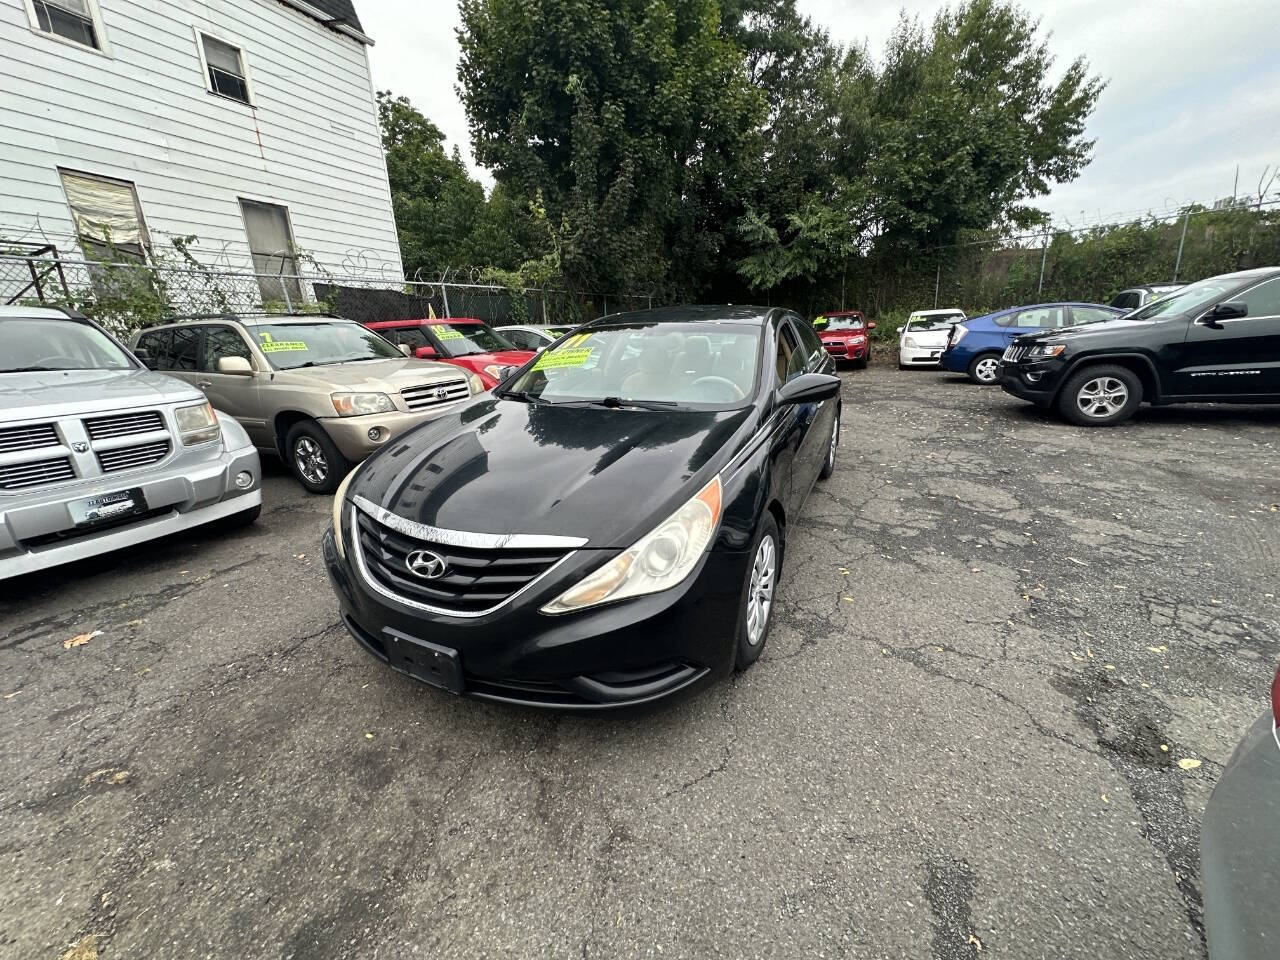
<point>431,395</point>
<point>30,437</point>
<point>37,473</point>
<point>126,458</point>
<point>123,424</point>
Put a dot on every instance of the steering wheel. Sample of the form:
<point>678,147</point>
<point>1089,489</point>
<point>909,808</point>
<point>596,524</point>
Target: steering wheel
<point>729,390</point>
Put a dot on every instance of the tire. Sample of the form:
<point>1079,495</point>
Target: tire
<point>244,518</point>
<point>982,369</point>
<point>1100,396</point>
<point>313,458</point>
<point>752,634</point>
<point>829,464</point>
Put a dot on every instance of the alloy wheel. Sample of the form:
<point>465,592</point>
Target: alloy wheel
<point>1102,397</point>
<point>760,593</point>
<point>835,442</point>
<point>986,369</point>
<point>311,462</point>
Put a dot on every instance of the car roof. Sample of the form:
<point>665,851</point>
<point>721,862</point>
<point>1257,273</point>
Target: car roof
<point>934,313</point>
<point>692,313</point>
<point>841,313</point>
<point>446,321</point>
<point>38,313</point>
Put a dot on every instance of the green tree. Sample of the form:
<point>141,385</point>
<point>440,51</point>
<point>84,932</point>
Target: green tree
<point>633,120</point>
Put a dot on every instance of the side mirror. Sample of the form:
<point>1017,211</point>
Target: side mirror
<point>871,325</point>
<point>423,353</point>
<point>236,366</point>
<point>144,358</point>
<point>406,350</point>
<point>506,371</point>
<point>809,388</point>
<point>1231,310</point>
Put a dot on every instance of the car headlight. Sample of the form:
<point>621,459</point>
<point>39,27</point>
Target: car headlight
<point>909,342</point>
<point>197,424</point>
<point>1042,351</point>
<point>495,370</point>
<point>860,338</point>
<point>339,500</point>
<point>362,404</point>
<point>960,331</point>
<point>476,384</point>
<point>655,562</point>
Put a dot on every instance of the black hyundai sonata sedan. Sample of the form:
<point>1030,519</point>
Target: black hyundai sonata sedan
<point>607,527</point>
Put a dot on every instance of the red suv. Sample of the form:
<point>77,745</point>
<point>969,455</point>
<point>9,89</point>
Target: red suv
<point>845,334</point>
<point>462,341</point>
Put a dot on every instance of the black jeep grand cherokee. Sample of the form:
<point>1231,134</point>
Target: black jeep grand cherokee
<point>1216,341</point>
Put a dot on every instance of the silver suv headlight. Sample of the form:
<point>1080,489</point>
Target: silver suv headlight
<point>197,424</point>
<point>655,562</point>
<point>361,404</point>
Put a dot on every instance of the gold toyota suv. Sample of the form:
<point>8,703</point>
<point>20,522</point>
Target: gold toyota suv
<point>321,392</point>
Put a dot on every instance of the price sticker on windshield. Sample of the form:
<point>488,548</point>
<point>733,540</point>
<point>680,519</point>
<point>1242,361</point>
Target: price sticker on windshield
<point>268,345</point>
<point>562,359</point>
<point>445,332</point>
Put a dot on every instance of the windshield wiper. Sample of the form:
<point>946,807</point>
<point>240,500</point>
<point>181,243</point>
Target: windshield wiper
<point>614,403</point>
<point>523,395</point>
<point>39,369</point>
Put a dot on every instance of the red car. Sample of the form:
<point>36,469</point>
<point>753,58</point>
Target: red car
<point>845,334</point>
<point>462,341</point>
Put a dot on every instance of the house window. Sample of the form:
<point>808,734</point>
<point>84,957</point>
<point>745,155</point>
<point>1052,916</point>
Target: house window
<point>107,216</point>
<point>224,67</point>
<point>275,258</point>
<point>74,20</point>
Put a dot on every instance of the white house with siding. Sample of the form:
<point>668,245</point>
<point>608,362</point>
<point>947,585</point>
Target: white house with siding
<point>249,124</point>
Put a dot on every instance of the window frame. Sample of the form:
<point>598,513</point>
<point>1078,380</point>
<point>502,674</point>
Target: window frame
<point>155,358</point>
<point>143,233</point>
<point>95,15</point>
<point>295,276</point>
<point>202,347</point>
<point>252,102</point>
<point>1203,317</point>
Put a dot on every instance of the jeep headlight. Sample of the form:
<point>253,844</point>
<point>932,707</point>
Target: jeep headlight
<point>339,500</point>
<point>1043,351</point>
<point>361,404</point>
<point>659,560</point>
<point>197,424</point>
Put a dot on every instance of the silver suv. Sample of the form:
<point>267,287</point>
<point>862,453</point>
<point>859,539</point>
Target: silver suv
<point>98,453</point>
<point>321,392</point>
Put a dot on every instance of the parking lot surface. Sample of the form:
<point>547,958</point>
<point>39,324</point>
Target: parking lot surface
<point>1009,659</point>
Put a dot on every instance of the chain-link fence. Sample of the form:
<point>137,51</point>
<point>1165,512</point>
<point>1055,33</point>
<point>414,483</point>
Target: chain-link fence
<point>127,294</point>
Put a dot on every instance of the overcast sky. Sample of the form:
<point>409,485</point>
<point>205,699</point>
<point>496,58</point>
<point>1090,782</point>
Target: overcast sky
<point>1194,87</point>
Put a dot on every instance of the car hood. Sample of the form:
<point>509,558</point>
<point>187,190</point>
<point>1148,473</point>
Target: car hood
<point>65,393</point>
<point>505,358</point>
<point>928,338</point>
<point>1120,326</point>
<point>825,335</point>
<point>375,375</point>
<point>503,466</point>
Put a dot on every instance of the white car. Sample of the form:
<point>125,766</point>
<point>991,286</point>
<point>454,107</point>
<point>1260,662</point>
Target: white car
<point>924,336</point>
<point>529,337</point>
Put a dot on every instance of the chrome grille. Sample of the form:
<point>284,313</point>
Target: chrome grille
<point>475,579</point>
<point>18,476</point>
<point>1014,352</point>
<point>126,458</point>
<point>832,344</point>
<point>31,437</point>
<point>431,395</point>
<point>123,424</point>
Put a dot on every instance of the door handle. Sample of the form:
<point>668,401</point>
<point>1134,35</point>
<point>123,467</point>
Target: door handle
<point>204,384</point>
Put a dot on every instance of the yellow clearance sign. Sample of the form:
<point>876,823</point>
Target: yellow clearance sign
<point>445,332</point>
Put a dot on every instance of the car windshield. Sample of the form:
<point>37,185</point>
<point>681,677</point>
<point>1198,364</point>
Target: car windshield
<point>689,365</point>
<point>289,346</point>
<point>1189,299</point>
<point>462,339</point>
<point>30,344</point>
<point>923,324</point>
<point>845,323</point>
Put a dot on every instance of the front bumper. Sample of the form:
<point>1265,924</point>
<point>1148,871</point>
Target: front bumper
<point>617,655</point>
<point>42,534</point>
<point>1036,382</point>
<point>1240,847</point>
<point>920,356</point>
<point>848,351</point>
<point>351,434</point>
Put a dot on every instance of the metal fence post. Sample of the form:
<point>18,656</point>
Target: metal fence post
<point>1044,255</point>
<point>1178,263</point>
<point>937,279</point>
<point>444,294</point>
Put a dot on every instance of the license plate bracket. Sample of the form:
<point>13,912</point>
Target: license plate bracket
<point>108,507</point>
<point>423,660</point>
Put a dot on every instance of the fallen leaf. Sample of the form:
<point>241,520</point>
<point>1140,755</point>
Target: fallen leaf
<point>1188,763</point>
<point>1079,563</point>
<point>1164,748</point>
<point>111,775</point>
<point>80,639</point>
<point>86,949</point>
<point>1216,602</point>
<point>976,942</point>
<point>1104,799</point>
<point>847,599</point>
<point>135,623</point>
<point>1160,649</point>
<point>1110,666</point>
<point>368,736</point>
<point>10,696</point>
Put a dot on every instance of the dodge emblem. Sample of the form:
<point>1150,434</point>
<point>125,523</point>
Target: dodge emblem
<point>80,446</point>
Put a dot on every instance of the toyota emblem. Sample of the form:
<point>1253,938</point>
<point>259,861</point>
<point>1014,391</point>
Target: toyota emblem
<point>441,394</point>
<point>425,565</point>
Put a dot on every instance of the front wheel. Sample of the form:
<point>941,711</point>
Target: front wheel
<point>829,464</point>
<point>314,458</point>
<point>1100,396</point>
<point>985,369</point>
<point>756,607</point>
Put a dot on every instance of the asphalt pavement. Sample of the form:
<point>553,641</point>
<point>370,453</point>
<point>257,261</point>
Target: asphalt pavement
<point>1009,660</point>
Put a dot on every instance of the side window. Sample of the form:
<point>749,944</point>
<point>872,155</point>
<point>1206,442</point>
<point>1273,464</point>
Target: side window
<point>413,336</point>
<point>1041,318</point>
<point>790,361</point>
<point>1263,300</point>
<point>158,344</point>
<point>1126,301</point>
<point>1081,315</point>
<point>521,338</point>
<point>221,342</point>
<point>811,344</point>
<point>183,355</point>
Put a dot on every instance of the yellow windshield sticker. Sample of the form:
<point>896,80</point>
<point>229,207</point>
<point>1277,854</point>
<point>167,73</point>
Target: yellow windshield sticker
<point>271,345</point>
<point>560,359</point>
<point>576,340</point>
<point>446,332</point>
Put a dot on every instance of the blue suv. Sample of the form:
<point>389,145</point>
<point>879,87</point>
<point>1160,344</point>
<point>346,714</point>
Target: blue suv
<point>976,345</point>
